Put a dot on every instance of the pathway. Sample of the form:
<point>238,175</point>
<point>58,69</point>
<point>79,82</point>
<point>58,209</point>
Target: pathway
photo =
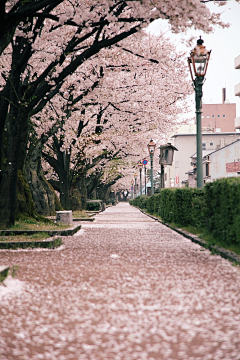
<point>124,287</point>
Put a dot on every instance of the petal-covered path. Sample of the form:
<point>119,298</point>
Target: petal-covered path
<point>124,287</point>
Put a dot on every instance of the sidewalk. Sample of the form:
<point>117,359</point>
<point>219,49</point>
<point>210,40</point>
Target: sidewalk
<point>124,287</point>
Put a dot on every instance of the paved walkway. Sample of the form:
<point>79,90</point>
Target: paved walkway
<point>125,287</point>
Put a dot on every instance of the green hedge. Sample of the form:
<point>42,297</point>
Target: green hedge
<point>223,209</point>
<point>140,201</point>
<point>216,208</point>
<point>93,206</point>
<point>183,206</point>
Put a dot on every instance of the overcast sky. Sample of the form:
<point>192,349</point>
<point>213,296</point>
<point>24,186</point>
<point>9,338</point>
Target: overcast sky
<point>225,46</point>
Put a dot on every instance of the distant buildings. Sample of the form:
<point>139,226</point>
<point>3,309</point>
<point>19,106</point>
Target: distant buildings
<point>237,89</point>
<point>222,163</point>
<point>218,117</point>
<point>186,145</point>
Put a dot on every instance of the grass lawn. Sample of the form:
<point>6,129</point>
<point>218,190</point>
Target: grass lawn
<point>33,224</point>
<point>82,214</point>
<point>24,237</point>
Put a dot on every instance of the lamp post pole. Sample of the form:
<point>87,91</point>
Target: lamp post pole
<point>162,177</point>
<point>145,170</point>
<point>151,148</point>
<point>151,157</point>
<point>140,166</point>
<point>135,186</point>
<point>198,83</point>
<point>198,63</point>
<point>140,171</point>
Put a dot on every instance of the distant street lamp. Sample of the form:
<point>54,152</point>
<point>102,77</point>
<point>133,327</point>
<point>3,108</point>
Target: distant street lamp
<point>151,149</point>
<point>166,158</point>
<point>132,182</point>
<point>135,186</point>
<point>198,63</point>
<point>145,171</point>
<point>140,166</point>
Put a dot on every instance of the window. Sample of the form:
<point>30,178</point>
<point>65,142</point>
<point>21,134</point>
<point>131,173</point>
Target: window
<point>207,169</point>
<point>204,146</point>
<point>218,115</point>
<point>213,115</point>
<point>208,116</point>
<point>202,116</point>
<point>211,143</point>
<point>224,115</point>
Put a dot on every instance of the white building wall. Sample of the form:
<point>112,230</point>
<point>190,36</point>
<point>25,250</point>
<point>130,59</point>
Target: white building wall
<point>220,158</point>
<point>186,145</point>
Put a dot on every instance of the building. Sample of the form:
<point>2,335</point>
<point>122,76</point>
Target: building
<point>186,145</point>
<point>237,89</point>
<point>219,117</point>
<point>222,163</point>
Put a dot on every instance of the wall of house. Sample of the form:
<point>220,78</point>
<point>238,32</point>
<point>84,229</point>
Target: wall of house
<point>225,162</point>
<point>186,145</point>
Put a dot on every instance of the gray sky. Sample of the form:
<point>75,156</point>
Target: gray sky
<point>225,46</point>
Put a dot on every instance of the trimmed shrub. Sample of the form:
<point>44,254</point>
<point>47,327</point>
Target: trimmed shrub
<point>140,201</point>
<point>223,209</point>
<point>166,207</point>
<point>216,208</point>
<point>93,205</point>
<point>153,203</point>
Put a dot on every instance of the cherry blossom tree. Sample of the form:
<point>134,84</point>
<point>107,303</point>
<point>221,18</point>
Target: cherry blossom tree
<point>138,96</point>
<point>46,49</point>
<point>13,12</point>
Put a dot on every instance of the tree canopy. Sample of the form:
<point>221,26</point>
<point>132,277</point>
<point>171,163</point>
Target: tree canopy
<point>71,67</point>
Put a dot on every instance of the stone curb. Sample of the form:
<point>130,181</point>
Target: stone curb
<point>49,243</point>
<point>84,219</point>
<point>226,254</point>
<point>66,232</point>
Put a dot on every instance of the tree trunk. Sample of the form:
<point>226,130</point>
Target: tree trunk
<point>17,125</point>
<point>64,178</point>
<point>44,197</point>
<point>103,193</point>
<point>24,203</point>
<point>76,203</point>
<point>9,179</point>
<point>83,191</point>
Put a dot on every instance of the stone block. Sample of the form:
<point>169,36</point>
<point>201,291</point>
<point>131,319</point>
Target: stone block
<point>64,217</point>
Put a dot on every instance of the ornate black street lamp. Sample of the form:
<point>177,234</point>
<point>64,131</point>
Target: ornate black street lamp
<point>132,182</point>
<point>198,63</point>
<point>140,166</point>
<point>135,186</point>
<point>151,149</point>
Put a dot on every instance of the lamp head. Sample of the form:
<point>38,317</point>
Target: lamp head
<point>151,147</point>
<point>198,59</point>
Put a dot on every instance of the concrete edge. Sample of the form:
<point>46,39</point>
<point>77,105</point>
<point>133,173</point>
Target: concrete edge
<point>84,219</point>
<point>45,244</point>
<point>66,232</point>
<point>226,254</point>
